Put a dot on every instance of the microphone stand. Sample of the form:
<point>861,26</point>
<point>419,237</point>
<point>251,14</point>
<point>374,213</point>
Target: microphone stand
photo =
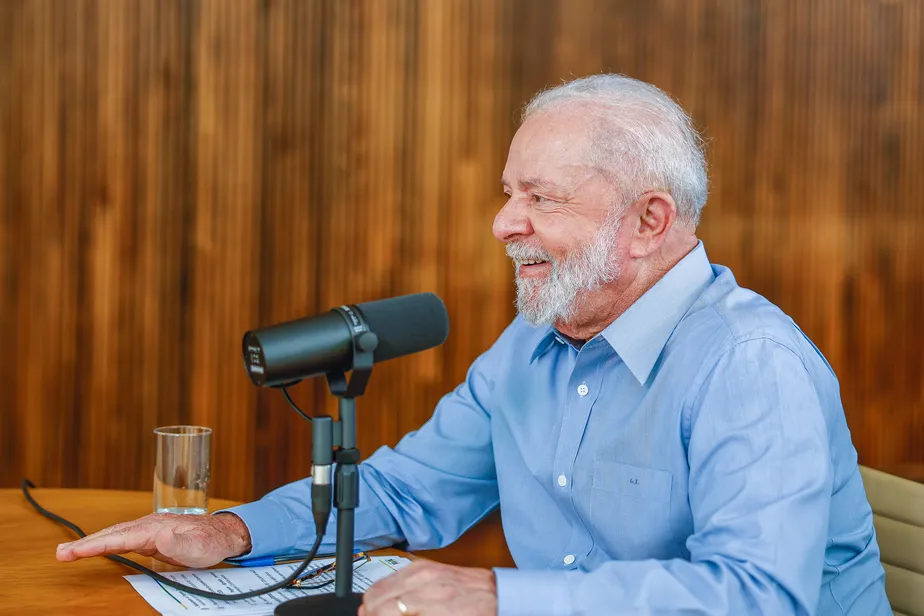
<point>346,485</point>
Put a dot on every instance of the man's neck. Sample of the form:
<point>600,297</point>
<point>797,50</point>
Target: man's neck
<point>604,305</point>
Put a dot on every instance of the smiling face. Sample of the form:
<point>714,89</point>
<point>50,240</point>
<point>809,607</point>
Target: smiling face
<point>561,220</point>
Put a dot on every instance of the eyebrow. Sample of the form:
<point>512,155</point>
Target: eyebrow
<point>535,182</point>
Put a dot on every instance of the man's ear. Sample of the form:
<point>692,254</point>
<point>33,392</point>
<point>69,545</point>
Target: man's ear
<point>653,215</point>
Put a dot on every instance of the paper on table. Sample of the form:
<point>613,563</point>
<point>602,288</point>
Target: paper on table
<point>170,602</point>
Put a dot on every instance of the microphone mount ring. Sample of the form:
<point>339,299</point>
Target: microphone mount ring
<point>365,342</point>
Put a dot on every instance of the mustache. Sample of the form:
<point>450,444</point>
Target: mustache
<point>521,251</point>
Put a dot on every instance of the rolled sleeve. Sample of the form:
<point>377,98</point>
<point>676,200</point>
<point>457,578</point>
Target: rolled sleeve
<point>531,593</point>
<point>271,529</point>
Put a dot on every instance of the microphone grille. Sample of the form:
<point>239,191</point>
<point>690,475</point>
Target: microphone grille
<point>406,324</point>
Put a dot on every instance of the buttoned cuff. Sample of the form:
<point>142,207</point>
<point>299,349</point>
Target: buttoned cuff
<point>531,593</point>
<point>271,529</point>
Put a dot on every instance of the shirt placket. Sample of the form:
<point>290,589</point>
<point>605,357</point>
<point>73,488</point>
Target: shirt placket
<point>583,390</point>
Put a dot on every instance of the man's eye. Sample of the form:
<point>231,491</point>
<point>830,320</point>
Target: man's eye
<point>541,199</point>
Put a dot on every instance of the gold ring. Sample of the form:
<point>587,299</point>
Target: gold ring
<point>402,607</point>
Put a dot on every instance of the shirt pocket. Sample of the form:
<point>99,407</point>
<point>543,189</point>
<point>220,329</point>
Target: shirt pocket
<point>631,508</point>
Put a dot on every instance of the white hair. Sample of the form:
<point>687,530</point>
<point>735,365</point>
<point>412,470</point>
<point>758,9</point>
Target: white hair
<point>642,139</point>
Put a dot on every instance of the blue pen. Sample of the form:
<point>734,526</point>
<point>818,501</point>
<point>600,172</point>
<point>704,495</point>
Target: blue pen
<point>269,561</point>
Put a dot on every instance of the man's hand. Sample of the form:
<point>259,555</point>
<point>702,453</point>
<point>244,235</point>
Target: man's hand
<point>185,540</point>
<point>432,589</point>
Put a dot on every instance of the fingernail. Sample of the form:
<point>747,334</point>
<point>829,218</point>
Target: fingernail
<point>61,546</point>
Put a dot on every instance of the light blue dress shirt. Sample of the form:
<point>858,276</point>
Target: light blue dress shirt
<point>693,458</point>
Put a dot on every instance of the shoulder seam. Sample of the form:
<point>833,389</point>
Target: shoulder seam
<point>686,421</point>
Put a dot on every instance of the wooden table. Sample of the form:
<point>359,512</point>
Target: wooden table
<point>31,579</point>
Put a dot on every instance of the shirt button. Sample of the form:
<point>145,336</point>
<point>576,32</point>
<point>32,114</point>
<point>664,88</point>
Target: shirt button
<point>582,389</point>
<point>562,480</point>
<point>569,559</point>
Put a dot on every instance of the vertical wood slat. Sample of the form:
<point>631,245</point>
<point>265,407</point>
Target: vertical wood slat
<point>10,248</point>
<point>173,174</point>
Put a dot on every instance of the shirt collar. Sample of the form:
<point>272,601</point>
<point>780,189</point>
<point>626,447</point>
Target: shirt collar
<point>550,337</point>
<point>639,334</point>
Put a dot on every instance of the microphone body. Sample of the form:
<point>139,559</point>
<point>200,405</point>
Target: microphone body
<point>288,352</point>
<point>322,461</point>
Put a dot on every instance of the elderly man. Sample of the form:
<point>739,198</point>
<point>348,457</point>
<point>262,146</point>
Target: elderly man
<point>659,439</point>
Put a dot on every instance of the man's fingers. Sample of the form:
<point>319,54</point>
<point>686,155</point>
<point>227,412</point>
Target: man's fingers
<point>128,538</point>
<point>417,601</point>
<point>381,597</point>
<point>432,589</point>
<point>193,541</point>
<point>65,551</point>
<point>117,542</point>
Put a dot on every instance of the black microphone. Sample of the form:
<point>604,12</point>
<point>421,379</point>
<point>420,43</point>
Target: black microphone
<point>288,352</point>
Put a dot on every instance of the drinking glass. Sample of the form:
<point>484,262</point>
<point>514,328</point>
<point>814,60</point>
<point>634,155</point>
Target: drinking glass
<point>181,470</point>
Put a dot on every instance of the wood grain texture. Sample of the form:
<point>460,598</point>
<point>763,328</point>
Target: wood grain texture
<point>89,586</point>
<point>93,585</point>
<point>175,173</point>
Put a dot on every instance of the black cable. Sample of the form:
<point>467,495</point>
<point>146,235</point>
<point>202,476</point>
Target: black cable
<point>26,484</point>
<point>285,392</point>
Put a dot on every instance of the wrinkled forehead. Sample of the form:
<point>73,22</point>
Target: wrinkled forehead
<point>553,143</point>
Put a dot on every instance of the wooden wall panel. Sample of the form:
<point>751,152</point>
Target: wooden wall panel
<point>175,173</point>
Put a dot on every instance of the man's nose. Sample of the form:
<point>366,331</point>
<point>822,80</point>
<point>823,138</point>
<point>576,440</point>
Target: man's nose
<point>512,221</point>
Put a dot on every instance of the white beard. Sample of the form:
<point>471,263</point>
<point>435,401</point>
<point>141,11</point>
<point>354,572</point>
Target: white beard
<point>545,301</point>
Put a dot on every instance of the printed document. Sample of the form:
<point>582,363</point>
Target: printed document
<point>171,602</point>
